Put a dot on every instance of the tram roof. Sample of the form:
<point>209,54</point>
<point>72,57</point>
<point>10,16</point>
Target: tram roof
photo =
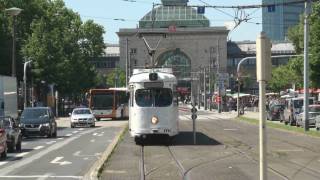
<point>143,76</point>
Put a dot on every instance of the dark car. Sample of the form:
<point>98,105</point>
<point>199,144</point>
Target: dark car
<point>276,112</point>
<point>3,141</point>
<point>13,132</point>
<point>38,121</point>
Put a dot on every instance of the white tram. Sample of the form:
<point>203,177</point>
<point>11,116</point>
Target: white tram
<point>153,104</point>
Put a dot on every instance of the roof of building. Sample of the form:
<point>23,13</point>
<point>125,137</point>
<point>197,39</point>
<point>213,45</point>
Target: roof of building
<point>175,13</point>
<point>112,50</point>
<point>249,47</point>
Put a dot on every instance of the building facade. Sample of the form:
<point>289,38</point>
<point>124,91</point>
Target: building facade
<point>187,43</point>
<point>276,20</point>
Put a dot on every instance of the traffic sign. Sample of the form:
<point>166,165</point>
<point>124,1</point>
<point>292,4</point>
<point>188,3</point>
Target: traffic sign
<point>194,116</point>
<point>194,110</point>
<point>201,10</point>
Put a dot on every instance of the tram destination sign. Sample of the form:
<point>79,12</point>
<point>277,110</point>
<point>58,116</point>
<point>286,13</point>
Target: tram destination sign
<point>153,84</point>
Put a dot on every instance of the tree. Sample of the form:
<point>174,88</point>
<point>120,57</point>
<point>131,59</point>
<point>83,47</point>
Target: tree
<point>295,34</point>
<point>56,46</point>
<point>116,78</point>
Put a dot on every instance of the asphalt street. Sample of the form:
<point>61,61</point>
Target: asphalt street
<point>226,149</point>
<point>69,156</point>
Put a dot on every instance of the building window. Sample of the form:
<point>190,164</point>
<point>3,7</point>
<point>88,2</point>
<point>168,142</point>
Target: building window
<point>133,51</point>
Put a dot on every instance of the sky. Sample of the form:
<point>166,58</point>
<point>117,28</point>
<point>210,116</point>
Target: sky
<point>116,14</point>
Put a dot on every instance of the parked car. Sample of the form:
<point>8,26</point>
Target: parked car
<point>3,141</point>
<point>38,121</point>
<point>317,122</point>
<point>293,108</point>
<point>275,112</point>
<point>314,110</point>
<point>82,117</point>
<point>14,136</point>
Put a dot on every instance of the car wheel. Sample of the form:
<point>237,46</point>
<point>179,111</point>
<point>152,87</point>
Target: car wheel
<point>317,128</point>
<point>18,145</point>
<point>72,126</point>
<point>98,119</point>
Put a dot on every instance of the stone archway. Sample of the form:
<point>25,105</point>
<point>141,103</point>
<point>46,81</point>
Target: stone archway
<point>178,61</point>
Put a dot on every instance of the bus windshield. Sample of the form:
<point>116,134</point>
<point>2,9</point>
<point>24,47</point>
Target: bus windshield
<point>157,97</point>
<point>102,101</point>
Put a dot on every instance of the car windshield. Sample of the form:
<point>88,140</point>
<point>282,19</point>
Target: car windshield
<point>158,97</point>
<point>81,111</point>
<point>34,113</point>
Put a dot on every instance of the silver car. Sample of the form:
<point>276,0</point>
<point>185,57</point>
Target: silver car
<point>82,117</point>
<point>314,111</point>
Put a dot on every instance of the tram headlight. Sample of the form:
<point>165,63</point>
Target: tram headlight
<point>154,120</point>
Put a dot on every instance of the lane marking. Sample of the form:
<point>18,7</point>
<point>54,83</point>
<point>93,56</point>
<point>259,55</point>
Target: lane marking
<point>57,159</point>
<point>68,135</point>
<point>289,150</point>
<point>7,169</point>
<point>230,129</point>
<point>51,142</point>
<point>95,134</point>
<point>3,163</point>
<point>60,138</point>
<point>21,154</point>
<point>42,176</point>
<point>74,132</point>
<point>92,140</point>
<point>115,172</point>
<point>81,129</point>
<point>38,147</point>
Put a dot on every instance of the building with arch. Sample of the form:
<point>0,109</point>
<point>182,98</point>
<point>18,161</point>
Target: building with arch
<point>190,43</point>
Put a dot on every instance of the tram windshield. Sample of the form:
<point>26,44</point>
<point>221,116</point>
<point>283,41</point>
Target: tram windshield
<point>155,97</point>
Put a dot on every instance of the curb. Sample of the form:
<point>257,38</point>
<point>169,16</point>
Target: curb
<point>93,172</point>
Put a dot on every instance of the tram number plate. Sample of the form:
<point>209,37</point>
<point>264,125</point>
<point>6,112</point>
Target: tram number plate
<point>153,84</point>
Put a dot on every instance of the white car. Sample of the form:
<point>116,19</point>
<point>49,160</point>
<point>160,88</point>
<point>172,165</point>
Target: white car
<point>82,117</point>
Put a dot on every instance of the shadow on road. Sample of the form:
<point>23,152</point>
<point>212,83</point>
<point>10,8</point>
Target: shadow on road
<point>184,138</point>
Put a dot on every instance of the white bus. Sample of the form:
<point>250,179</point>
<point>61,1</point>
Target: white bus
<point>153,103</point>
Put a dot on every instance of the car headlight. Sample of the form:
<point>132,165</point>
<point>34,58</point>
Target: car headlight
<point>90,119</point>
<point>21,125</point>
<point>154,120</point>
<point>46,124</point>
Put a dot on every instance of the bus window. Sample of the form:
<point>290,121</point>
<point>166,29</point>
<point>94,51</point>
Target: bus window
<point>144,97</point>
<point>101,101</point>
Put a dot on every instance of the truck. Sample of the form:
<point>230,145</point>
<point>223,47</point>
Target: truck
<point>8,96</point>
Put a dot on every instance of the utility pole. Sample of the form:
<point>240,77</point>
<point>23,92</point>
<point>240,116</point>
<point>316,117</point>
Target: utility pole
<point>25,82</point>
<point>306,66</point>
<point>218,77</point>
<point>199,88</point>
<point>127,56</point>
<point>263,75</point>
<point>204,88</point>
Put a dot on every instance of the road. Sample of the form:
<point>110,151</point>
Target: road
<point>225,149</point>
<point>69,156</point>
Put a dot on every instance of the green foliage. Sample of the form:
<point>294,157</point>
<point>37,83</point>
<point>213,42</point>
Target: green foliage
<point>295,34</point>
<point>284,76</point>
<point>116,74</point>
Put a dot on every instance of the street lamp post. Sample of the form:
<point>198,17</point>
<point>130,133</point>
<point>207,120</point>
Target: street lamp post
<point>13,12</point>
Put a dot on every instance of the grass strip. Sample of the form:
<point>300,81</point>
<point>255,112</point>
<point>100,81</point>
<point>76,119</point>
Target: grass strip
<point>281,126</point>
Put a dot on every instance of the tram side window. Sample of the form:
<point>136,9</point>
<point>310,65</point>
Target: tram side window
<point>144,97</point>
<point>163,97</point>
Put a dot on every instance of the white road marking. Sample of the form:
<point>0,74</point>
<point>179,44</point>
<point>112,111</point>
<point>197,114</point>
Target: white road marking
<point>57,159</point>
<point>92,140</point>
<point>68,135</point>
<point>24,143</point>
<point>75,132</point>
<point>3,162</point>
<point>51,142</point>
<point>38,147</point>
<point>84,155</point>
<point>42,176</point>
<point>115,172</point>
<point>60,138</point>
<point>7,169</point>
<point>95,134</point>
<point>81,129</point>
<point>22,154</point>
<point>77,153</point>
<point>230,129</point>
<point>85,158</point>
<point>100,135</point>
